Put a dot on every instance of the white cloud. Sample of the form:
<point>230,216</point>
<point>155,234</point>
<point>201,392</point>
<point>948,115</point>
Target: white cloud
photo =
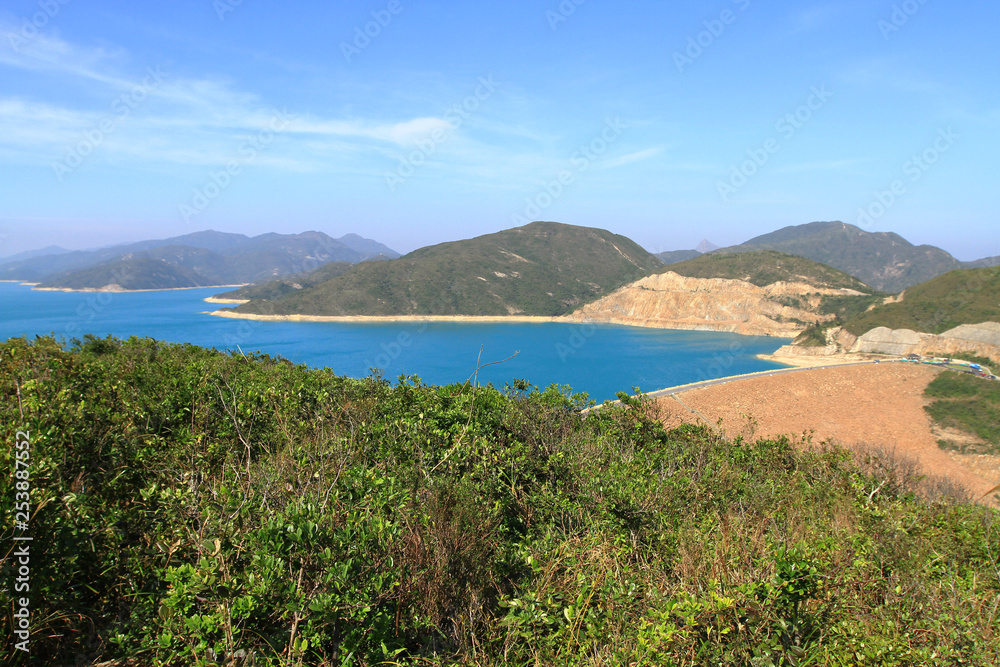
<point>403,134</point>
<point>823,165</point>
<point>815,17</point>
<point>632,157</point>
<point>159,117</point>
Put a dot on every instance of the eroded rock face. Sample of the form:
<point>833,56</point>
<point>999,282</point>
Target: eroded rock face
<point>987,333</point>
<point>981,340</point>
<point>883,340</point>
<point>670,301</point>
<point>838,341</point>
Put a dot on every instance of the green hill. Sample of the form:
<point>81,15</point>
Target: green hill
<point>764,267</point>
<point>544,268</point>
<point>275,289</point>
<point>191,507</point>
<point>884,260</point>
<point>967,296</point>
<point>144,273</point>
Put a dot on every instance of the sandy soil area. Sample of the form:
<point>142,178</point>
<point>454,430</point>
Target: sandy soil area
<point>803,361</point>
<point>848,405</point>
<point>212,299</point>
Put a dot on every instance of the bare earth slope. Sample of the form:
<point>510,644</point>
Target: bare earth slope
<point>866,404</point>
<point>670,301</point>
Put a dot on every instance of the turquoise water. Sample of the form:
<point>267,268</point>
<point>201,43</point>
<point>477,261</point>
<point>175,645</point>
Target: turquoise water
<point>597,359</point>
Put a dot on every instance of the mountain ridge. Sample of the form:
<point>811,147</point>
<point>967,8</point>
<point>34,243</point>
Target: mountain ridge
<point>883,260</point>
<point>544,268</point>
<point>206,258</point>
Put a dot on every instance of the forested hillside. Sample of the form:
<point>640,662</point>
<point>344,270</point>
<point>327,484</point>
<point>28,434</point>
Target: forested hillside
<point>966,296</point>
<point>544,268</point>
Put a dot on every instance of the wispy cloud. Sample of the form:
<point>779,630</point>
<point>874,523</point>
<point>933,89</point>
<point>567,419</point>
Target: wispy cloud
<point>815,17</point>
<point>822,165</point>
<point>895,74</point>
<point>632,157</point>
<point>180,120</point>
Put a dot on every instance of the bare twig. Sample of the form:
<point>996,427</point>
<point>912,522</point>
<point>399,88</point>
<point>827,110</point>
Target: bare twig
<point>475,376</point>
<point>17,388</point>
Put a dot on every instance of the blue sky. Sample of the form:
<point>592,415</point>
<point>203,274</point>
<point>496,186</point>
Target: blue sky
<point>415,122</point>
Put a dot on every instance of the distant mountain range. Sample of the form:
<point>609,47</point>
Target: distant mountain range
<point>28,254</point>
<point>548,268</point>
<point>674,256</point>
<point>544,268</point>
<point>883,260</point>
<point>205,258</point>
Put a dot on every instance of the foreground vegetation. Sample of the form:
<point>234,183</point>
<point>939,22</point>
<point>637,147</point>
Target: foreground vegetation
<point>192,508</point>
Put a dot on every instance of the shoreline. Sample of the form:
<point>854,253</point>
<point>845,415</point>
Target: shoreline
<point>484,319</point>
<point>733,327</point>
<point>690,386</point>
<point>105,289</point>
<point>214,299</point>
<point>726,379</point>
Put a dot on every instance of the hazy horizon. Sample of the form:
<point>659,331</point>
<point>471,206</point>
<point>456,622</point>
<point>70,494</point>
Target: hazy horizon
<point>337,235</point>
<point>416,123</point>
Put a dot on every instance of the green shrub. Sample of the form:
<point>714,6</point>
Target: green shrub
<point>192,507</point>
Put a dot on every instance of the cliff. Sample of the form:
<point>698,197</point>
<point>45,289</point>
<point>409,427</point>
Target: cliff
<point>671,301</point>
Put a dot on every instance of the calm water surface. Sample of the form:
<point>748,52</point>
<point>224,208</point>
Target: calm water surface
<point>597,359</point>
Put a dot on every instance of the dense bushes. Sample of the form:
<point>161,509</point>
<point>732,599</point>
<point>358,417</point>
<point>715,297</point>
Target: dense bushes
<point>195,508</point>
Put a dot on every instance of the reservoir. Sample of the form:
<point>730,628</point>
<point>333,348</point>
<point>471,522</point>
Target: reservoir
<point>597,359</point>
